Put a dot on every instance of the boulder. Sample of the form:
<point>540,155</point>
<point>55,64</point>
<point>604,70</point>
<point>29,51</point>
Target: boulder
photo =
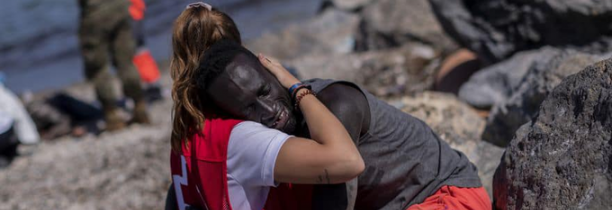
<point>563,159</point>
<point>522,106</point>
<point>494,84</point>
<point>390,23</point>
<point>457,124</point>
<point>393,72</point>
<point>329,33</point>
<point>496,29</point>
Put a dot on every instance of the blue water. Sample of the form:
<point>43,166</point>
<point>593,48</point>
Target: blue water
<point>39,46</point>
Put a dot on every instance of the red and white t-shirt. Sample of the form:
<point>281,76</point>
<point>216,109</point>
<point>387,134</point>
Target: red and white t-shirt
<point>251,157</point>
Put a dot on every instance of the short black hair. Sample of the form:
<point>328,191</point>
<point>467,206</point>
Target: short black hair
<point>215,61</point>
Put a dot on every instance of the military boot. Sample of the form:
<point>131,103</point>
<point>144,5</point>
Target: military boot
<point>140,115</point>
<point>114,121</point>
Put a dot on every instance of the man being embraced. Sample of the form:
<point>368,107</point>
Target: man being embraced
<point>407,166</point>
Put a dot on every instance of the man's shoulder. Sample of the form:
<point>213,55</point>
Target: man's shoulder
<point>349,104</point>
<point>342,94</point>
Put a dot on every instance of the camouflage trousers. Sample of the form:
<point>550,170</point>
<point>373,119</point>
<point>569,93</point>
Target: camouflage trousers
<point>103,39</point>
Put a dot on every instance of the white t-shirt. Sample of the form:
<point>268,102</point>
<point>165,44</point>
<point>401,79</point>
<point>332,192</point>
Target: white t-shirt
<point>251,156</point>
<point>25,129</point>
<point>6,122</point>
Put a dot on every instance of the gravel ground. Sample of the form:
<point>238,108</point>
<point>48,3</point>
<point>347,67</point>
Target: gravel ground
<point>127,169</point>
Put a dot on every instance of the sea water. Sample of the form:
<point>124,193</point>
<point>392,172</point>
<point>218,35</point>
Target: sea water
<point>39,41</point>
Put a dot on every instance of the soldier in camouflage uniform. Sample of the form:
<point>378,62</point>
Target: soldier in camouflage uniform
<point>105,31</point>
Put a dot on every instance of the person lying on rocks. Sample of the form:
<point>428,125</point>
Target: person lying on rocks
<point>407,166</point>
<point>60,114</point>
<point>16,125</point>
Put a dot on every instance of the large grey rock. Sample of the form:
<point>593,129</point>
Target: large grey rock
<point>389,23</point>
<point>496,29</point>
<point>563,159</point>
<point>329,33</point>
<point>459,125</point>
<point>393,72</point>
<point>522,106</point>
<point>494,84</point>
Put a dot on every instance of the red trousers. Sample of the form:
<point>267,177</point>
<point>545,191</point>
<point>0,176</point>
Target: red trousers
<point>456,198</point>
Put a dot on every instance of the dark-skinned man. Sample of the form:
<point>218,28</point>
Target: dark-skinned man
<point>407,165</point>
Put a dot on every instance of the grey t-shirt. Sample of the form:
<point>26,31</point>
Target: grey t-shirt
<point>405,160</point>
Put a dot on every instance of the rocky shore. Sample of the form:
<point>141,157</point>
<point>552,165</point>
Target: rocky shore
<point>538,98</point>
<point>535,118</point>
<point>128,169</point>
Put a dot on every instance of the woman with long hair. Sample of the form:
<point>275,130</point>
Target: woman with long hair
<point>223,163</point>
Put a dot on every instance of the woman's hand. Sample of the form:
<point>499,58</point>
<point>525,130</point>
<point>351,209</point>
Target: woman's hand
<point>284,77</point>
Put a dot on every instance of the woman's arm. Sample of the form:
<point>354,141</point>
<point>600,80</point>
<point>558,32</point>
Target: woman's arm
<point>331,158</point>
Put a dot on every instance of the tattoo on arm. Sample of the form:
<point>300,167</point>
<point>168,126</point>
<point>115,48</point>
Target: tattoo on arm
<point>320,181</point>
